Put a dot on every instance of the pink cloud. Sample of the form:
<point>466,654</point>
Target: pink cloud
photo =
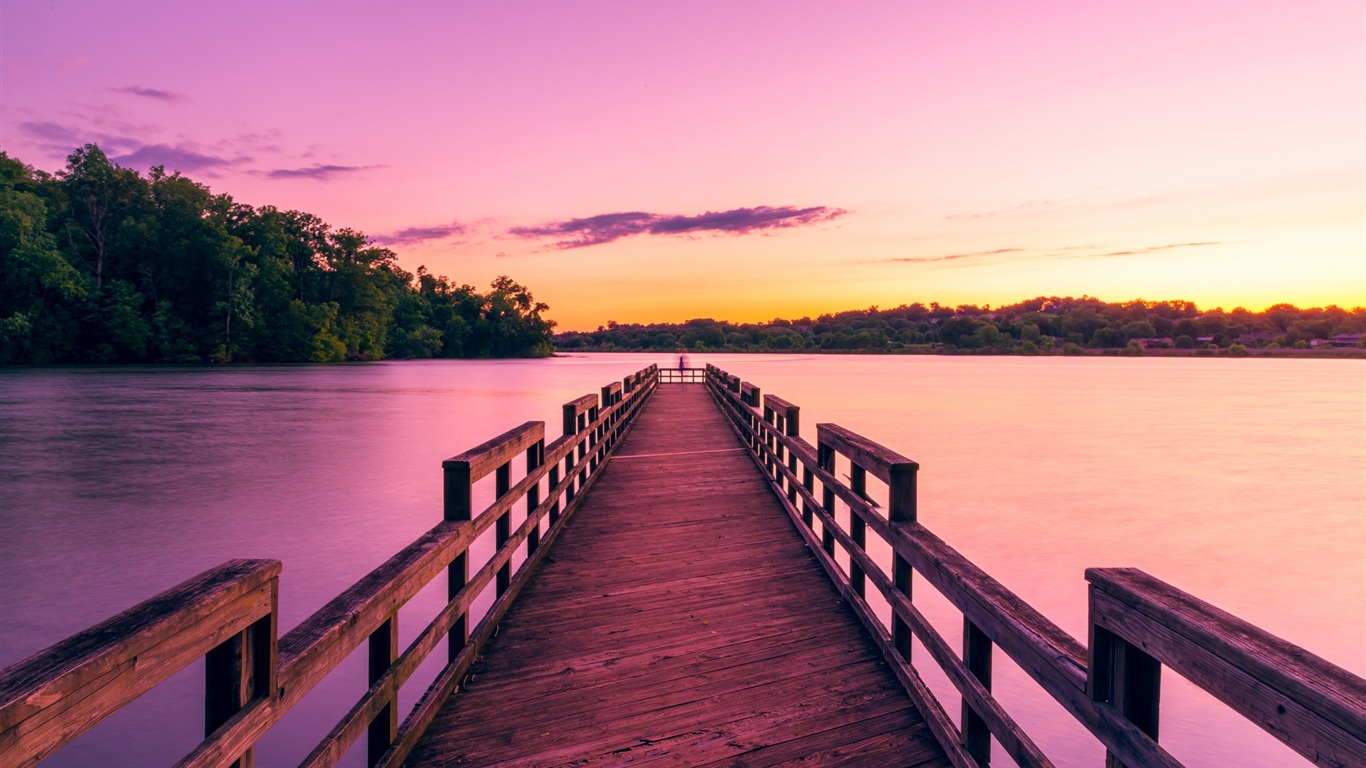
<point>604,228</point>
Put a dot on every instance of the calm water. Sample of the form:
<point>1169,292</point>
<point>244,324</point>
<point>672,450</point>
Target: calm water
<point>1241,481</point>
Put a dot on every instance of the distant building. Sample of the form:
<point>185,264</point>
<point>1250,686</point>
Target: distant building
<point>1155,342</point>
<point>1345,339</point>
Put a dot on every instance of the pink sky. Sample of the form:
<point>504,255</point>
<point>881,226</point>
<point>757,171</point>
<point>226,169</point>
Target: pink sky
<point>848,155</point>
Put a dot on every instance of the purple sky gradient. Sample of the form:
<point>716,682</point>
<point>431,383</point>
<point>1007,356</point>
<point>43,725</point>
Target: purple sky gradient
<point>1210,151</point>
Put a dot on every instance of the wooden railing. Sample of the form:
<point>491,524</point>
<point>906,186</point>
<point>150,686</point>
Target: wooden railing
<point>228,614</point>
<point>682,375</point>
<point>1137,623</point>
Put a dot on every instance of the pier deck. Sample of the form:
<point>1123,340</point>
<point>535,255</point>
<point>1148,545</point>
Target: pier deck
<point>680,620</point>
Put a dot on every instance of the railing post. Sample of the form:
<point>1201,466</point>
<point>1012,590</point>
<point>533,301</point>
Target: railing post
<point>384,728</point>
<point>554,480</point>
<point>858,529</point>
<point>1126,678</point>
<point>791,429</point>
<point>977,657</point>
<point>756,400</point>
<point>570,419</point>
<point>502,527</point>
<point>589,444</point>
<point>458,505</point>
<point>775,448</point>
<point>239,670</point>
<point>809,483</point>
<point>825,456</point>
<point>901,508</point>
<point>603,431</point>
<point>535,457</point>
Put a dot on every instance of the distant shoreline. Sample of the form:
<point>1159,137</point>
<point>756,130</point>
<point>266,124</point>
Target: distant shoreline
<point>1339,353</point>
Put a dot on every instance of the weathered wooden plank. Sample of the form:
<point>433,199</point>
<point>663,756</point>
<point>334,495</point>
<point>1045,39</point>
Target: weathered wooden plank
<point>610,393</point>
<point>491,454</point>
<point>55,695</point>
<point>313,648</point>
<point>884,463</point>
<point>236,736</point>
<point>866,738</point>
<point>1312,705</point>
<point>572,734</point>
<point>785,409</point>
<point>576,408</point>
<point>761,731</point>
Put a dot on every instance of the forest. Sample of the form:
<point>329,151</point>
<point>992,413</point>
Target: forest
<point>101,265</point>
<point>1043,325</point>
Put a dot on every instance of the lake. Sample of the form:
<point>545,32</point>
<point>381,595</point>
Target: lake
<point>1242,481</point>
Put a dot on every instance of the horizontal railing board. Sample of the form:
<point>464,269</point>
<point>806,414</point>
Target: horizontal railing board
<point>318,644</point>
<point>239,734</point>
<point>1315,707</point>
<point>573,409</point>
<point>883,463</point>
<point>488,456</point>
<point>62,691</point>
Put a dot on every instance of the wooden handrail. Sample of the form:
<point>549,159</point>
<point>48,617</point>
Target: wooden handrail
<point>484,458</point>
<point>884,463</point>
<point>681,375</point>
<point>228,614</point>
<point>1315,707</point>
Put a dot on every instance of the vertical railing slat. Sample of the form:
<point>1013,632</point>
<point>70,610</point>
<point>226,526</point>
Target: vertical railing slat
<point>977,657</point>
<point>384,728</point>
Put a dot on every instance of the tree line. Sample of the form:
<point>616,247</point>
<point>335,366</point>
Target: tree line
<point>1043,325</point>
<point>100,264</point>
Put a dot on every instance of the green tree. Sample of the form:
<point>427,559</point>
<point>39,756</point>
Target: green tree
<point>104,200</point>
<point>38,286</point>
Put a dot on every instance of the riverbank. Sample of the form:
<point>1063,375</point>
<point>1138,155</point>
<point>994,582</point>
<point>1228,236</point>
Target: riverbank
<point>1322,353</point>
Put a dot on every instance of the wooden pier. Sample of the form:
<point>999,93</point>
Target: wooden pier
<point>703,594</point>
<point>682,618</point>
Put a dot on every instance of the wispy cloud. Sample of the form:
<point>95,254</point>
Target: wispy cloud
<point>141,145</point>
<point>171,97</point>
<point>315,172</point>
<point>56,133</point>
<point>174,158</point>
<point>604,228</point>
<point>415,235</point>
<point>1154,248</point>
<point>1049,254</point>
<point>59,139</point>
<point>953,256</point>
